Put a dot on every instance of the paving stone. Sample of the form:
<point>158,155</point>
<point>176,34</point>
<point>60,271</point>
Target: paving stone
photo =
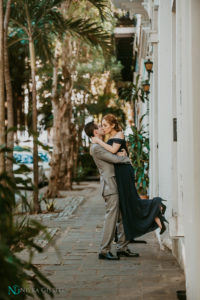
<point>154,275</point>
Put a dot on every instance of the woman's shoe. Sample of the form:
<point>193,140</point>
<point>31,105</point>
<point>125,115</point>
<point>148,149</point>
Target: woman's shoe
<point>162,220</point>
<point>163,208</point>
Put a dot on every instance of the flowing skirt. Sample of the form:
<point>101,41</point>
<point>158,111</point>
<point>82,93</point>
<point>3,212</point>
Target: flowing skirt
<point>137,214</point>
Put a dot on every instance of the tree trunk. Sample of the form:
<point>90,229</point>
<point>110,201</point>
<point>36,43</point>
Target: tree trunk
<point>68,134</point>
<point>52,190</point>
<point>62,160</point>
<point>62,157</point>
<point>9,95</point>
<point>36,203</point>
<point>37,208</point>
<point>67,128</point>
<point>2,96</point>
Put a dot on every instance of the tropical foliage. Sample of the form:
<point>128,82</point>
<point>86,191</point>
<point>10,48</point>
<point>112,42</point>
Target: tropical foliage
<point>138,142</point>
<point>18,235</point>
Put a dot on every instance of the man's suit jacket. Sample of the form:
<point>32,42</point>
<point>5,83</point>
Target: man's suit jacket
<point>105,163</point>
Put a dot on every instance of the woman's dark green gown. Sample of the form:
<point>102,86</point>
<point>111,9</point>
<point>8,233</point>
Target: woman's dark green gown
<point>137,214</point>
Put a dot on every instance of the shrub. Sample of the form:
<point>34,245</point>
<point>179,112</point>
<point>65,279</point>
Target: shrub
<point>139,153</point>
<point>18,235</point>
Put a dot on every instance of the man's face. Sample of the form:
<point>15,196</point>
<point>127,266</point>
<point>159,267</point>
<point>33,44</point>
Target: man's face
<point>99,131</point>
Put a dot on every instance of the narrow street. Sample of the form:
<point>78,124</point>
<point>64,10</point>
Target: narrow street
<point>79,275</point>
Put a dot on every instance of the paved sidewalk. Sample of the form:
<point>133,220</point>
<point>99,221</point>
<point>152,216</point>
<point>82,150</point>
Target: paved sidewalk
<point>79,275</point>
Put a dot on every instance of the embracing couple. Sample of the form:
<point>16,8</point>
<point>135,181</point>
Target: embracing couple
<point>125,211</point>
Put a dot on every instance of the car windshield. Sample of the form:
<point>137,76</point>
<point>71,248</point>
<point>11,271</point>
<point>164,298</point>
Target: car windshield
<point>23,158</point>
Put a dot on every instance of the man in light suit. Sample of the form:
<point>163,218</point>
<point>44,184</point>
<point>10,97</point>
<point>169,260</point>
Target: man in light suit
<point>105,162</point>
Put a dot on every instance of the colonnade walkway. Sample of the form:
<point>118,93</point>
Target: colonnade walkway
<point>80,275</point>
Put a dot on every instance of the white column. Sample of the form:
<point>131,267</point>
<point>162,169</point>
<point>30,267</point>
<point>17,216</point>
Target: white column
<point>165,130</point>
<point>179,108</point>
<point>174,117</point>
<point>153,113</point>
<point>190,88</point>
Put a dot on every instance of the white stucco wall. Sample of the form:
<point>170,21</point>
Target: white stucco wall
<point>165,138</point>
<point>190,90</point>
<point>175,166</point>
<point>153,113</point>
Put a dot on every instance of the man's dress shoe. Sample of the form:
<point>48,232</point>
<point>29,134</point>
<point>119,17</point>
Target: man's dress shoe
<point>181,295</point>
<point>108,256</point>
<point>127,253</point>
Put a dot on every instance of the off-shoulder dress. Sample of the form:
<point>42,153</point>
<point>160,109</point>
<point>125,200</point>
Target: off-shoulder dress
<point>138,215</point>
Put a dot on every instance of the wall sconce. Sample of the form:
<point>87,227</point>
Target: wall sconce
<point>146,87</point>
<point>149,65</point>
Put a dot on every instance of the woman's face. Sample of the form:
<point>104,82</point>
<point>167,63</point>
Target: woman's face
<point>107,127</point>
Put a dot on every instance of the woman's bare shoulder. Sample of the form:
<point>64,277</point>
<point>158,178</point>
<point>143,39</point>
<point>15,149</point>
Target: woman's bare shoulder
<point>120,135</point>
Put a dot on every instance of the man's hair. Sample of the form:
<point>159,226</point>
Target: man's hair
<point>89,128</point>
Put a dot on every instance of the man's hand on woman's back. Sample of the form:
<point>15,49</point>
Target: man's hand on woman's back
<point>122,153</point>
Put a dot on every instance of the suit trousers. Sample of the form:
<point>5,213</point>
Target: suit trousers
<point>112,218</point>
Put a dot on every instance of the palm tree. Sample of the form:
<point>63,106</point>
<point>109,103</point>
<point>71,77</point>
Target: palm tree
<point>37,24</point>
<point>34,22</point>
<point>2,101</point>
<point>64,131</point>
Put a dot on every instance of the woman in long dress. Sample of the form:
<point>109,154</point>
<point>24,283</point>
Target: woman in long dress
<point>139,216</point>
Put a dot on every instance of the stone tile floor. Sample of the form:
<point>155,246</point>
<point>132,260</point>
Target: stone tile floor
<point>78,274</point>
